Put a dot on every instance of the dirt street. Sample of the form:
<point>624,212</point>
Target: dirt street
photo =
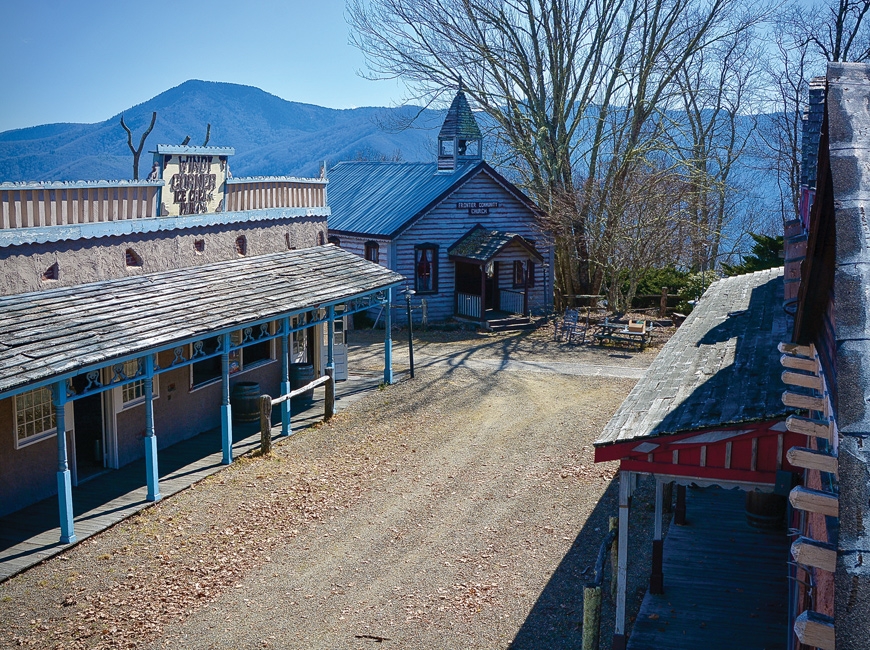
<point>458,510</point>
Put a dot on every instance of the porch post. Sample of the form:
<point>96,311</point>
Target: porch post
<point>657,580</point>
<point>151,474</point>
<point>619,638</point>
<point>330,357</point>
<point>526,290</point>
<point>330,338</point>
<point>226,410</point>
<point>64,482</point>
<point>388,341</point>
<point>483,295</point>
<point>285,375</point>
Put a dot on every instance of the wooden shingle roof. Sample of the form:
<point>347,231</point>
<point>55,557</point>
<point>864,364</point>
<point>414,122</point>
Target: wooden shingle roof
<point>54,333</point>
<point>482,244</point>
<point>721,367</point>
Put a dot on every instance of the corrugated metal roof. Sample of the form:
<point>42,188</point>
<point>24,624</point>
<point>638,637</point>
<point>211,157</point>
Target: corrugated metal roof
<point>721,367</point>
<point>379,198</point>
<point>47,234</point>
<point>57,332</point>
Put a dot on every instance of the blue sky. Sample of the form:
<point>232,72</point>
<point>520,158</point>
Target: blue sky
<point>86,60</point>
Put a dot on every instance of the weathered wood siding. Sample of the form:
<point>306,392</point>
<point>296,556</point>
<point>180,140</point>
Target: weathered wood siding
<point>445,224</point>
<point>357,246</point>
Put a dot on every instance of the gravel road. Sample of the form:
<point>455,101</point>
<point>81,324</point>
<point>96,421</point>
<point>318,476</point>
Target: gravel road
<point>460,509</point>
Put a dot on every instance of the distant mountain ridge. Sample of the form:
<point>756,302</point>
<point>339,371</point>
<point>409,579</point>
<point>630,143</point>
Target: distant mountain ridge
<point>271,136</point>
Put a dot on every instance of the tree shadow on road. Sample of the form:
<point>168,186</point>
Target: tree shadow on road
<point>555,621</point>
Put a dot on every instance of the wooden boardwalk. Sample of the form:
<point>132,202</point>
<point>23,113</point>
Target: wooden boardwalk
<point>725,582</point>
<point>31,535</point>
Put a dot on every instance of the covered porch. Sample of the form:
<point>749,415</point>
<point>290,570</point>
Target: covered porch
<point>199,325</point>
<point>707,419</point>
<point>493,271</point>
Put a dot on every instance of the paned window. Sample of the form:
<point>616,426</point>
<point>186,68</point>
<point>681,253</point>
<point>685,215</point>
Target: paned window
<point>373,253</point>
<point>242,359</point>
<point>426,268</point>
<point>34,416</point>
<point>133,393</point>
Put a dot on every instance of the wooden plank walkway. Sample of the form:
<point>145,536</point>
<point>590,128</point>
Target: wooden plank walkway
<point>725,582</point>
<point>31,535</point>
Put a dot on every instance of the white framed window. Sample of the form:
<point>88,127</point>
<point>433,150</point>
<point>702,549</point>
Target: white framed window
<point>133,393</point>
<point>34,417</point>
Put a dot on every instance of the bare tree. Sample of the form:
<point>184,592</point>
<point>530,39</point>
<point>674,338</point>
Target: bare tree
<point>836,29</point>
<point>712,127</point>
<point>574,87</point>
<point>137,152</point>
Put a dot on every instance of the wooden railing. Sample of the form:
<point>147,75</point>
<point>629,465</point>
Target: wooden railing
<point>468,305</point>
<point>267,402</point>
<point>256,193</point>
<point>512,301</point>
<point>35,205</point>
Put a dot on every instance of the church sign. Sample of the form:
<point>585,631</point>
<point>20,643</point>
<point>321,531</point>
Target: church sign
<point>477,207</point>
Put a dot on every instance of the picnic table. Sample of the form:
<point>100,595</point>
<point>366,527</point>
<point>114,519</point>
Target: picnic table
<point>633,332</point>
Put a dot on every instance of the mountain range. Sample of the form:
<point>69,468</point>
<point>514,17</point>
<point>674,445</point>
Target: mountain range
<point>270,135</point>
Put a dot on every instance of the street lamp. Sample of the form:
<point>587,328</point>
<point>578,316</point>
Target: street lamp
<point>408,294</point>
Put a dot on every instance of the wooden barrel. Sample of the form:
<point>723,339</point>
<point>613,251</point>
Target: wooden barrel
<point>245,400</point>
<point>765,511</point>
<point>301,374</point>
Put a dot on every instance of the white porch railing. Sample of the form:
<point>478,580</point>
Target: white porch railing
<point>35,205</point>
<point>512,301</point>
<point>257,193</point>
<point>468,305</point>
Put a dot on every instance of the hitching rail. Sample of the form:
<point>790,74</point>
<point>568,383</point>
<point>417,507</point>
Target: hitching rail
<point>266,404</point>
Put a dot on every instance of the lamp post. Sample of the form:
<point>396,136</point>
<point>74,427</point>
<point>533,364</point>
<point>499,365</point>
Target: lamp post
<point>408,294</point>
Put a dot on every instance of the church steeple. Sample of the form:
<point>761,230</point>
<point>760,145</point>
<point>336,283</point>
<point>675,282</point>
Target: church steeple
<point>459,140</point>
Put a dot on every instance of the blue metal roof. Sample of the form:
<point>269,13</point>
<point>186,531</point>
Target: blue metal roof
<point>380,198</point>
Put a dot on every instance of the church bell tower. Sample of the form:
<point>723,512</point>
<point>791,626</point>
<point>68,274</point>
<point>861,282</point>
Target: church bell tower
<point>459,140</point>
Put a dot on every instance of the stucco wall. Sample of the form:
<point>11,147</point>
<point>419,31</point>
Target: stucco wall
<point>28,474</point>
<point>91,260</point>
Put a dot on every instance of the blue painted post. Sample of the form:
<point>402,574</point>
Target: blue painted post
<point>330,339</point>
<point>64,480</point>
<point>329,394</point>
<point>151,474</point>
<point>388,341</point>
<point>226,410</point>
<point>285,376</point>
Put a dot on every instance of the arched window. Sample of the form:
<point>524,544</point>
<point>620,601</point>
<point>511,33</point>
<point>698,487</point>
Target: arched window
<point>373,252</point>
<point>52,272</point>
<point>320,238</point>
<point>334,240</point>
<point>242,245</point>
<point>131,258</point>
<point>199,245</point>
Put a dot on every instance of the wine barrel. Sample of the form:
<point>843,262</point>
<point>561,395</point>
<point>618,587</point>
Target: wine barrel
<point>245,401</point>
<point>301,374</point>
<point>765,511</point>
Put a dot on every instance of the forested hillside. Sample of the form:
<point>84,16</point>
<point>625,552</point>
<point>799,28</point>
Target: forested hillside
<point>270,135</point>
